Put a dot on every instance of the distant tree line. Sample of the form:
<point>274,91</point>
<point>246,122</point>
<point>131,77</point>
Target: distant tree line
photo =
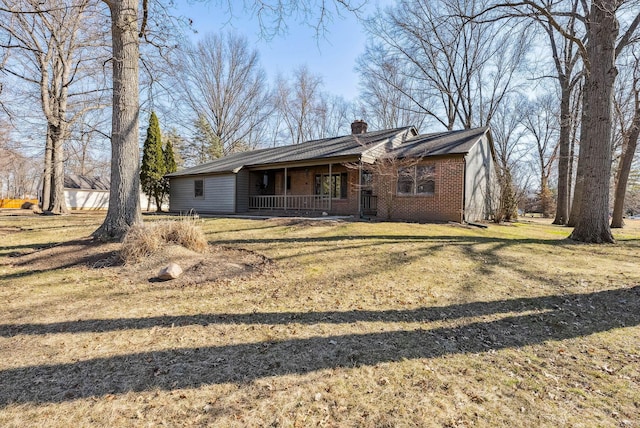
<point>557,82</point>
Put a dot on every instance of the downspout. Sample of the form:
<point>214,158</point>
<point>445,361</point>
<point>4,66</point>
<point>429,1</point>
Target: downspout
<point>464,189</point>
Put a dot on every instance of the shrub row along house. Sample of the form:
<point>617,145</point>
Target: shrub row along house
<point>391,174</point>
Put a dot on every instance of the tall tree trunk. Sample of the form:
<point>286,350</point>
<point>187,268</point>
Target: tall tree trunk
<point>562,206</point>
<point>158,198</point>
<point>46,176</point>
<point>57,203</point>
<point>622,177</point>
<point>124,194</point>
<point>595,149</point>
<point>574,212</point>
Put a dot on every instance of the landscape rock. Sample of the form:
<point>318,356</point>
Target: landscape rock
<point>171,271</point>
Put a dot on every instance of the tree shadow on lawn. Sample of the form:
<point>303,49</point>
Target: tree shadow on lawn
<point>540,319</point>
<point>487,251</point>
<point>47,258</point>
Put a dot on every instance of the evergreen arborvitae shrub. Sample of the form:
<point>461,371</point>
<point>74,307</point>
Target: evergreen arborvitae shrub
<point>153,166</point>
<point>169,166</point>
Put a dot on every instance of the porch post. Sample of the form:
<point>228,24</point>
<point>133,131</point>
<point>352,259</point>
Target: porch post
<point>360,189</point>
<point>330,186</point>
<point>285,188</point>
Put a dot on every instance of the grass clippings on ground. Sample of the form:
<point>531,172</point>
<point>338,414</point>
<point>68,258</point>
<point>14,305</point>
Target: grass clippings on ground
<point>353,325</point>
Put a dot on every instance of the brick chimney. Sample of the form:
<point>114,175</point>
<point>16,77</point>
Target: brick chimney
<point>358,127</point>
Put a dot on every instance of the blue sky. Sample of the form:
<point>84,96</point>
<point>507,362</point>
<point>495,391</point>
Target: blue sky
<point>331,56</point>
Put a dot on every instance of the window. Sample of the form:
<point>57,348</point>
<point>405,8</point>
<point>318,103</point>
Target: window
<point>425,179</point>
<point>405,180</point>
<point>288,182</point>
<point>417,180</point>
<point>198,188</point>
<point>367,179</point>
<point>334,185</point>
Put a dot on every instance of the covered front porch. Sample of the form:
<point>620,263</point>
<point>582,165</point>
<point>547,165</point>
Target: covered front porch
<point>330,188</point>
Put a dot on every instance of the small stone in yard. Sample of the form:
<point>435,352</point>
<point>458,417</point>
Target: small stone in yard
<point>171,271</point>
<point>383,381</point>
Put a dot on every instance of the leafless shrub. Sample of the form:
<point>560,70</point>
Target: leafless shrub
<point>144,240</point>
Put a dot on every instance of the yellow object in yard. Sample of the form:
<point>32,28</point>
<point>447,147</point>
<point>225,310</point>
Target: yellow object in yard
<point>18,203</point>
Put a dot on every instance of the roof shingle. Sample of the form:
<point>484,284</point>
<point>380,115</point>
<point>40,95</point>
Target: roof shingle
<point>346,145</point>
<point>442,143</point>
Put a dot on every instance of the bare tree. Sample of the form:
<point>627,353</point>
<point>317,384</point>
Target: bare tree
<point>298,103</point>
<point>334,116</point>
<point>568,68</point>
<point>124,203</point>
<point>632,197</point>
<point>303,111</point>
<point>629,125</point>
<point>18,178</point>
<point>124,194</point>
<point>541,121</point>
<point>610,26</point>
<point>386,91</point>
<point>453,71</point>
<point>511,152</point>
<point>54,41</point>
<point>595,149</point>
<point>86,146</point>
<point>222,81</point>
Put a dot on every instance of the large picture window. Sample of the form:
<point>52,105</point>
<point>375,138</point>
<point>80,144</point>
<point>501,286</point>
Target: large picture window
<point>417,180</point>
<point>334,185</point>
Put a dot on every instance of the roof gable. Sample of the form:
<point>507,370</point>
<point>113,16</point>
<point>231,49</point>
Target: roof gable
<point>441,143</point>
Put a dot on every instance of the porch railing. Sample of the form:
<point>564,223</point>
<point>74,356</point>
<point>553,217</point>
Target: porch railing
<point>290,202</point>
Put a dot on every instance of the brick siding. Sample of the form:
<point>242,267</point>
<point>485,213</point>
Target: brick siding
<point>302,182</point>
<point>446,204</point>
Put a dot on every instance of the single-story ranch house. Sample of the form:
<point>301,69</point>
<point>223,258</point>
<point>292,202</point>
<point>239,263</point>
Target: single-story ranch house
<point>390,174</point>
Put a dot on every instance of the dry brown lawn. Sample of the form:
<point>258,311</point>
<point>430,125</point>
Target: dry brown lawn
<point>319,323</point>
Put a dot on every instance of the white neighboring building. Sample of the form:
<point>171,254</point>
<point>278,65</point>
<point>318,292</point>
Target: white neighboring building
<point>82,192</point>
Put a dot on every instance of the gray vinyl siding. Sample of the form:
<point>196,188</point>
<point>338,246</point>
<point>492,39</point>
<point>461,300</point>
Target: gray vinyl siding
<point>480,185</point>
<point>242,191</point>
<point>219,194</point>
